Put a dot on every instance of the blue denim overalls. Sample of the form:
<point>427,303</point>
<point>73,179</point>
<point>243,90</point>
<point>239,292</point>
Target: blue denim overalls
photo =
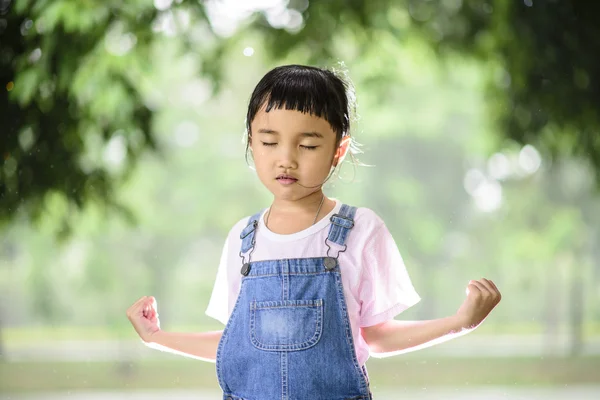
<point>288,336</point>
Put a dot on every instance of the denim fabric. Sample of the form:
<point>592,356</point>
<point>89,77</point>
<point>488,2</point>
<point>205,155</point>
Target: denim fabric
<point>289,335</point>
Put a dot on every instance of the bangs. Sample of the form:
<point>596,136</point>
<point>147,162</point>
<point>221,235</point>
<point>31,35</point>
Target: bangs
<point>299,95</point>
<point>305,89</point>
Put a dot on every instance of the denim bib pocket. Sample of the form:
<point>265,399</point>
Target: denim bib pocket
<point>286,325</point>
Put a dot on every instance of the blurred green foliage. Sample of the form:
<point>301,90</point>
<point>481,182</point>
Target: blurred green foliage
<point>73,73</point>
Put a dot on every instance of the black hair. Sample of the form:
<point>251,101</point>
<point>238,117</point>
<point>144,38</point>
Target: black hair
<point>320,92</point>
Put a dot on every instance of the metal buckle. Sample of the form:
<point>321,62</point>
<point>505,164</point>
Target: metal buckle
<point>342,217</point>
<point>343,249</point>
<point>254,225</point>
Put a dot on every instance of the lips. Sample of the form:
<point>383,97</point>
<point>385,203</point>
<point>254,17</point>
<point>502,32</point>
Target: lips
<point>286,177</point>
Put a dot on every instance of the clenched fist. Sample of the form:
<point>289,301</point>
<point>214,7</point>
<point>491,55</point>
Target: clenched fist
<point>482,297</point>
<point>143,315</point>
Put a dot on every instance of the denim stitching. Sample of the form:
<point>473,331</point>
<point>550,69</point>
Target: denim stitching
<point>291,273</point>
<point>284,374</point>
<point>285,286</point>
<point>318,306</point>
<point>286,303</point>
<point>276,271</point>
<point>349,339</point>
<point>224,338</point>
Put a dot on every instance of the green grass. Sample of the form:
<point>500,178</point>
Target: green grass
<point>33,334</point>
<point>402,371</point>
<point>446,371</point>
<point>59,376</point>
<point>29,334</point>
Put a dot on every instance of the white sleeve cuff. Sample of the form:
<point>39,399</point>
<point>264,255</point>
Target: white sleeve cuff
<point>390,313</point>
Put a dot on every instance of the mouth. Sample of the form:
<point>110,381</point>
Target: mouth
<point>286,178</point>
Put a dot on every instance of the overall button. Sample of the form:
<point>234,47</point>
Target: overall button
<point>246,269</point>
<point>329,263</point>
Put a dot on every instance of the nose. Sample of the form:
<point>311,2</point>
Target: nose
<point>287,157</point>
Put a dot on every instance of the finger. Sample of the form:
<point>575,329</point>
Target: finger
<point>487,285</point>
<point>472,288</point>
<point>493,285</point>
<point>152,304</point>
<point>493,289</point>
<point>485,288</point>
<point>141,300</point>
<point>141,306</point>
<point>134,309</point>
<point>137,303</point>
<point>148,301</point>
<point>484,291</point>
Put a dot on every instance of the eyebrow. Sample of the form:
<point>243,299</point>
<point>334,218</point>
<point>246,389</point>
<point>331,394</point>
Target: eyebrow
<point>312,134</point>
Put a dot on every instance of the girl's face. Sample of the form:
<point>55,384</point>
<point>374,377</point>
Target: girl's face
<point>292,148</point>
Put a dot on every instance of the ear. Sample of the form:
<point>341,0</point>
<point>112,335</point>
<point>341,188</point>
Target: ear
<point>342,150</point>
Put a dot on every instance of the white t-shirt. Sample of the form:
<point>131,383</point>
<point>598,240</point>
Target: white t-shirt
<point>376,284</point>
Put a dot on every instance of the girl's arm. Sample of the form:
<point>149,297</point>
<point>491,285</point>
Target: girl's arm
<point>201,345</point>
<point>143,315</point>
<point>395,337</point>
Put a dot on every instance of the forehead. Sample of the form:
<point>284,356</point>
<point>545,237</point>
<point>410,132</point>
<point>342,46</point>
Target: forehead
<point>290,121</point>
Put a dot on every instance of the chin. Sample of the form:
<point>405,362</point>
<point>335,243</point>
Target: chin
<point>289,194</point>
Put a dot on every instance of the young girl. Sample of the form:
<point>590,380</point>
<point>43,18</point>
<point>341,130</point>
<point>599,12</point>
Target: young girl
<point>308,288</point>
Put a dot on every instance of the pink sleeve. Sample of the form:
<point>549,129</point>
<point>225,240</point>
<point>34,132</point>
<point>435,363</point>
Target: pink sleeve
<point>385,289</point>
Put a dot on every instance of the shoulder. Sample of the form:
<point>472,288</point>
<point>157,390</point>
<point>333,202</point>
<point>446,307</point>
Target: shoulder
<point>238,227</point>
<point>368,220</point>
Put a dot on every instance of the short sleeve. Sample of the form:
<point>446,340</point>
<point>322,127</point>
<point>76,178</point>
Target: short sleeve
<point>229,280</point>
<point>385,289</point>
<point>218,305</point>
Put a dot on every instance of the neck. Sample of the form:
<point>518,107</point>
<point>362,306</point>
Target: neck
<point>307,207</point>
<point>310,209</point>
<point>309,203</point>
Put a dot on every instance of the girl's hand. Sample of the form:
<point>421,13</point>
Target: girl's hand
<point>143,316</point>
<point>482,297</point>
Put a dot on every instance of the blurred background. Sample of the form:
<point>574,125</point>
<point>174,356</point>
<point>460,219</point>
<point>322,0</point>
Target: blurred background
<point>122,169</point>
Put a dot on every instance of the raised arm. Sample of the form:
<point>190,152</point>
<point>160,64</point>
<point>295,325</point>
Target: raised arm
<point>201,345</point>
<point>396,337</point>
<point>143,316</point>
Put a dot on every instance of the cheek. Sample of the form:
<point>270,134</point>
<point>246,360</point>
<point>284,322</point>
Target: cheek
<point>320,163</point>
<point>255,151</point>
<point>260,157</point>
<point>327,160</point>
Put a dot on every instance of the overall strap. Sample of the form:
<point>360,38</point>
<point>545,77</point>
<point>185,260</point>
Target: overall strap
<point>247,234</point>
<point>341,223</point>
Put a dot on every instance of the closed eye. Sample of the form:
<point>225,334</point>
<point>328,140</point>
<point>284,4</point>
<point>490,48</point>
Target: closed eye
<point>271,144</point>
